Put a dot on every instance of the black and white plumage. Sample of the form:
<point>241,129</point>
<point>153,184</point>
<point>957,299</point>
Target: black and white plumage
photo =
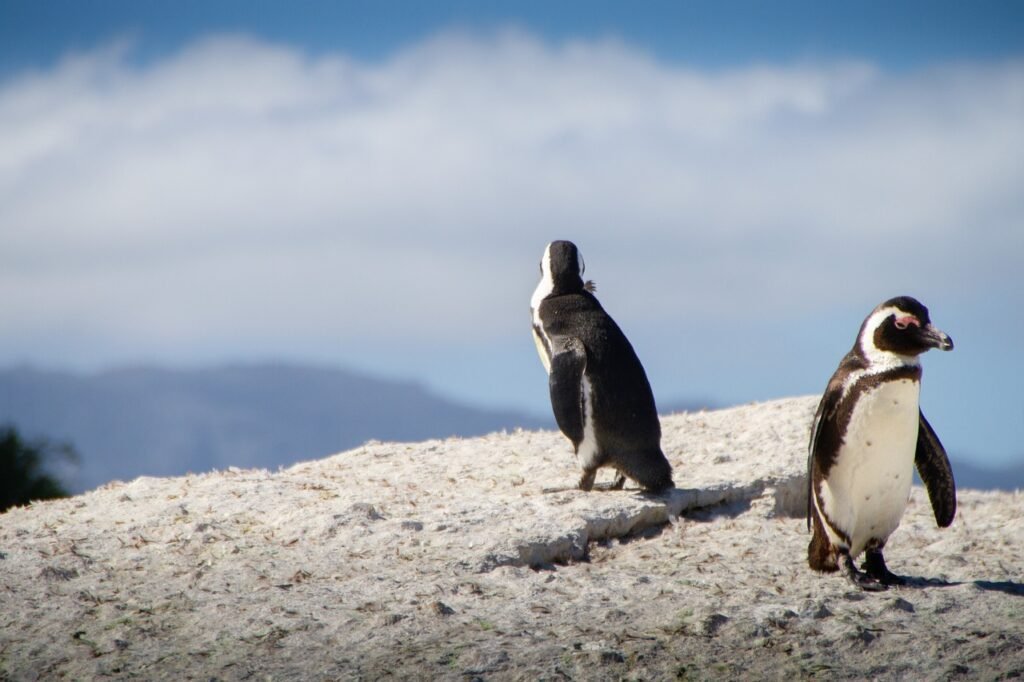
<point>868,434</point>
<point>600,395</point>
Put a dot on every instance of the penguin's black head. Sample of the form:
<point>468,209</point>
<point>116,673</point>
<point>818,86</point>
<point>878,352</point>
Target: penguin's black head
<point>902,326</point>
<point>563,266</point>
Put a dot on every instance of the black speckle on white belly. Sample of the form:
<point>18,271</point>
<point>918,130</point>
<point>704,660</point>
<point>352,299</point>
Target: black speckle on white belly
<point>868,486</point>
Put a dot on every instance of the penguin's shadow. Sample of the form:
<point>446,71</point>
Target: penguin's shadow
<point>1005,586</point>
<point>739,507</point>
<point>916,582</point>
<point>705,514</point>
<point>686,500</point>
<point>919,583</point>
<point>608,487</point>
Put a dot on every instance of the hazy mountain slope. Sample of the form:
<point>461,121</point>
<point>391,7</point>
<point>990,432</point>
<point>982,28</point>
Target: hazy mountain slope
<point>162,422</point>
<point>984,478</point>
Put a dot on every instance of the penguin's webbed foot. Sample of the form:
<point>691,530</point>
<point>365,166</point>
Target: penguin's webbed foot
<point>864,581</point>
<point>619,482</point>
<point>874,565</point>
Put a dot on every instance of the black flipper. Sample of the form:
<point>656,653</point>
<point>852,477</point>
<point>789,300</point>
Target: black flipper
<point>568,361</point>
<point>936,473</point>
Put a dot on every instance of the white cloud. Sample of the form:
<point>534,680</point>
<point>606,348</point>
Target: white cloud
<point>237,189</point>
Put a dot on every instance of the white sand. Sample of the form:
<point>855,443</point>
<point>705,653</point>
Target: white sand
<point>446,559</point>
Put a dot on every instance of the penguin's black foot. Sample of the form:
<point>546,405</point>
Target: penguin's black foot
<point>866,582</point>
<point>619,482</point>
<point>587,480</point>
<point>874,565</point>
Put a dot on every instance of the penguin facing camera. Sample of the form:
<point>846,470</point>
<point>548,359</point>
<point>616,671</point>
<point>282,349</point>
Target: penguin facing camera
<point>600,395</point>
<point>867,436</point>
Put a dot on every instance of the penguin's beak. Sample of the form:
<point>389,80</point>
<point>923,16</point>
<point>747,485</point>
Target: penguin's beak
<point>936,338</point>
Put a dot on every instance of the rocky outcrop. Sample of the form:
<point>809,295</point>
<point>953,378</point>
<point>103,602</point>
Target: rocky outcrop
<point>456,559</point>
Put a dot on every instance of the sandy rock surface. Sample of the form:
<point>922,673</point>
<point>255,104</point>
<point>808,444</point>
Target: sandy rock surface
<point>454,559</point>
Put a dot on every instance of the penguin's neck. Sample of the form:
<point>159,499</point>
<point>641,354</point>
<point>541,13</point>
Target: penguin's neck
<point>879,360</point>
<point>547,287</point>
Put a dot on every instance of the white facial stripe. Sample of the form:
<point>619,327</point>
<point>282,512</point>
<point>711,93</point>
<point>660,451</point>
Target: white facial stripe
<point>881,360</point>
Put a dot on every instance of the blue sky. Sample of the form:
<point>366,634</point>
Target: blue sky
<point>372,184</point>
<point>896,34</point>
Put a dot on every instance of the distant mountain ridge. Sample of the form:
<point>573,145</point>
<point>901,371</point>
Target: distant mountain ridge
<point>161,422</point>
<point>1007,478</point>
<point>164,422</point>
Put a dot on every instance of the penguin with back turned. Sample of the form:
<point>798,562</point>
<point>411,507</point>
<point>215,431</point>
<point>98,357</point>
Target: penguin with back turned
<point>600,395</point>
<point>868,434</point>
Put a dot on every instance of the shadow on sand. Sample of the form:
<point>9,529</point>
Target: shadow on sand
<point>919,583</point>
<point>1006,587</point>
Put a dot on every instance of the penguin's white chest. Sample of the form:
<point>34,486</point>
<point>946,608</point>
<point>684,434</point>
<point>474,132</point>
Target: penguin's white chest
<point>868,486</point>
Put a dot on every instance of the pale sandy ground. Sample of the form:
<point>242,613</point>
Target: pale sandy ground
<point>446,559</point>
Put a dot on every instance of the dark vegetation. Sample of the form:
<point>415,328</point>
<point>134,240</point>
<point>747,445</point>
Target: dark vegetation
<point>23,468</point>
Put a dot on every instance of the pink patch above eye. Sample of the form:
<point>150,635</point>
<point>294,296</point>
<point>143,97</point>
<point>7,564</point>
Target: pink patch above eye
<point>906,321</point>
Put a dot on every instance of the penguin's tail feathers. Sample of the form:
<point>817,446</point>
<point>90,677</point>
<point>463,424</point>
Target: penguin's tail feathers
<point>650,469</point>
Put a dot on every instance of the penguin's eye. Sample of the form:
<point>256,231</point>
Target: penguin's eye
<point>904,322</point>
